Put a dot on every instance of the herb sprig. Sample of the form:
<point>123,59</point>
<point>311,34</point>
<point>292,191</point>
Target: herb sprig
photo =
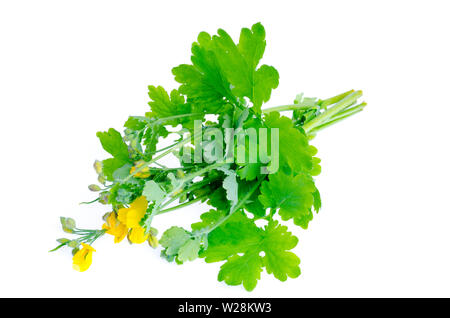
<point>239,180</point>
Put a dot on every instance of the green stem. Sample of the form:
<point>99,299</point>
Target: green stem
<point>337,119</point>
<point>198,173</point>
<point>236,208</point>
<point>163,119</point>
<point>58,247</point>
<point>179,116</point>
<point>322,103</point>
<point>173,195</point>
<point>189,177</point>
<point>350,111</point>
<point>332,100</point>
<point>165,153</point>
<point>191,188</point>
<point>154,160</point>
<point>165,148</point>
<point>326,115</point>
<point>282,108</point>
<point>179,206</point>
<point>90,201</point>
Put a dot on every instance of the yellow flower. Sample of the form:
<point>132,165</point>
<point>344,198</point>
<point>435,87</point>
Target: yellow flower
<point>83,258</point>
<point>137,235</point>
<point>144,173</point>
<point>115,227</point>
<point>133,215</point>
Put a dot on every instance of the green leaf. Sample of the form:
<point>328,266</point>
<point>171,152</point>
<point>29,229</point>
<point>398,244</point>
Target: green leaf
<point>277,259</point>
<point>125,193</point>
<point>293,195</point>
<point>230,185</point>
<point>151,137</point>
<point>317,200</point>
<point>304,220</point>
<point>113,143</point>
<point>252,204</point>
<point>122,172</point>
<point>189,250</point>
<point>153,192</point>
<point>162,105</point>
<point>203,82</point>
<point>208,220</point>
<point>249,171</point>
<point>222,71</point>
<point>136,123</point>
<point>295,153</point>
<point>245,270</point>
<point>173,239</point>
<point>110,166</point>
<point>179,245</point>
<point>247,248</point>
<point>239,63</point>
<point>218,199</point>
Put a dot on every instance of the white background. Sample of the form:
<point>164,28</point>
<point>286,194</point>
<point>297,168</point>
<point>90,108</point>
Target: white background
<point>71,68</point>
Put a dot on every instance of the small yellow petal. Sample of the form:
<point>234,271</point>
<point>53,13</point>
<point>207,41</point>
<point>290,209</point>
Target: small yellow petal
<point>133,215</point>
<point>83,258</point>
<point>143,173</point>
<point>115,228</point>
<point>122,215</point>
<point>137,235</point>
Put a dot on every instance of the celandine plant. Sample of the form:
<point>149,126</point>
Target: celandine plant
<point>249,164</point>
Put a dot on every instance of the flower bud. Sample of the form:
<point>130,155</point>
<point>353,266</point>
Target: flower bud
<point>144,172</point>
<point>68,224</point>
<point>101,179</point>
<point>74,244</point>
<point>152,241</point>
<point>106,216</point>
<point>75,250</point>
<point>94,187</point>
<point>98,166</point>
<point>104,198</point>
<point>153,231</point>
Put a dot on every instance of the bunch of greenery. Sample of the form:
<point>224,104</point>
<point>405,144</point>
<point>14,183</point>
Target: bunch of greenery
<point>222,91</point>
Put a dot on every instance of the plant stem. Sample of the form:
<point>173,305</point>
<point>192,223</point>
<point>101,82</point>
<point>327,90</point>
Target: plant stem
<point>165,148</point>
<point>179,206</point>
<point>95,200</point>
<point>282,108</point>
<point>163,119</point>
<point>332,100</point>
<point>165,153</point>
<point>236,208</point>
<point>322,103</point>
<point>188,178</point>
<point>340,117</point>
<point>179,116</point>
<point>173,195</point>
<point>350,111</point>
<point>198,173</point>
<point>326,115</point>
<point>191,188</point>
